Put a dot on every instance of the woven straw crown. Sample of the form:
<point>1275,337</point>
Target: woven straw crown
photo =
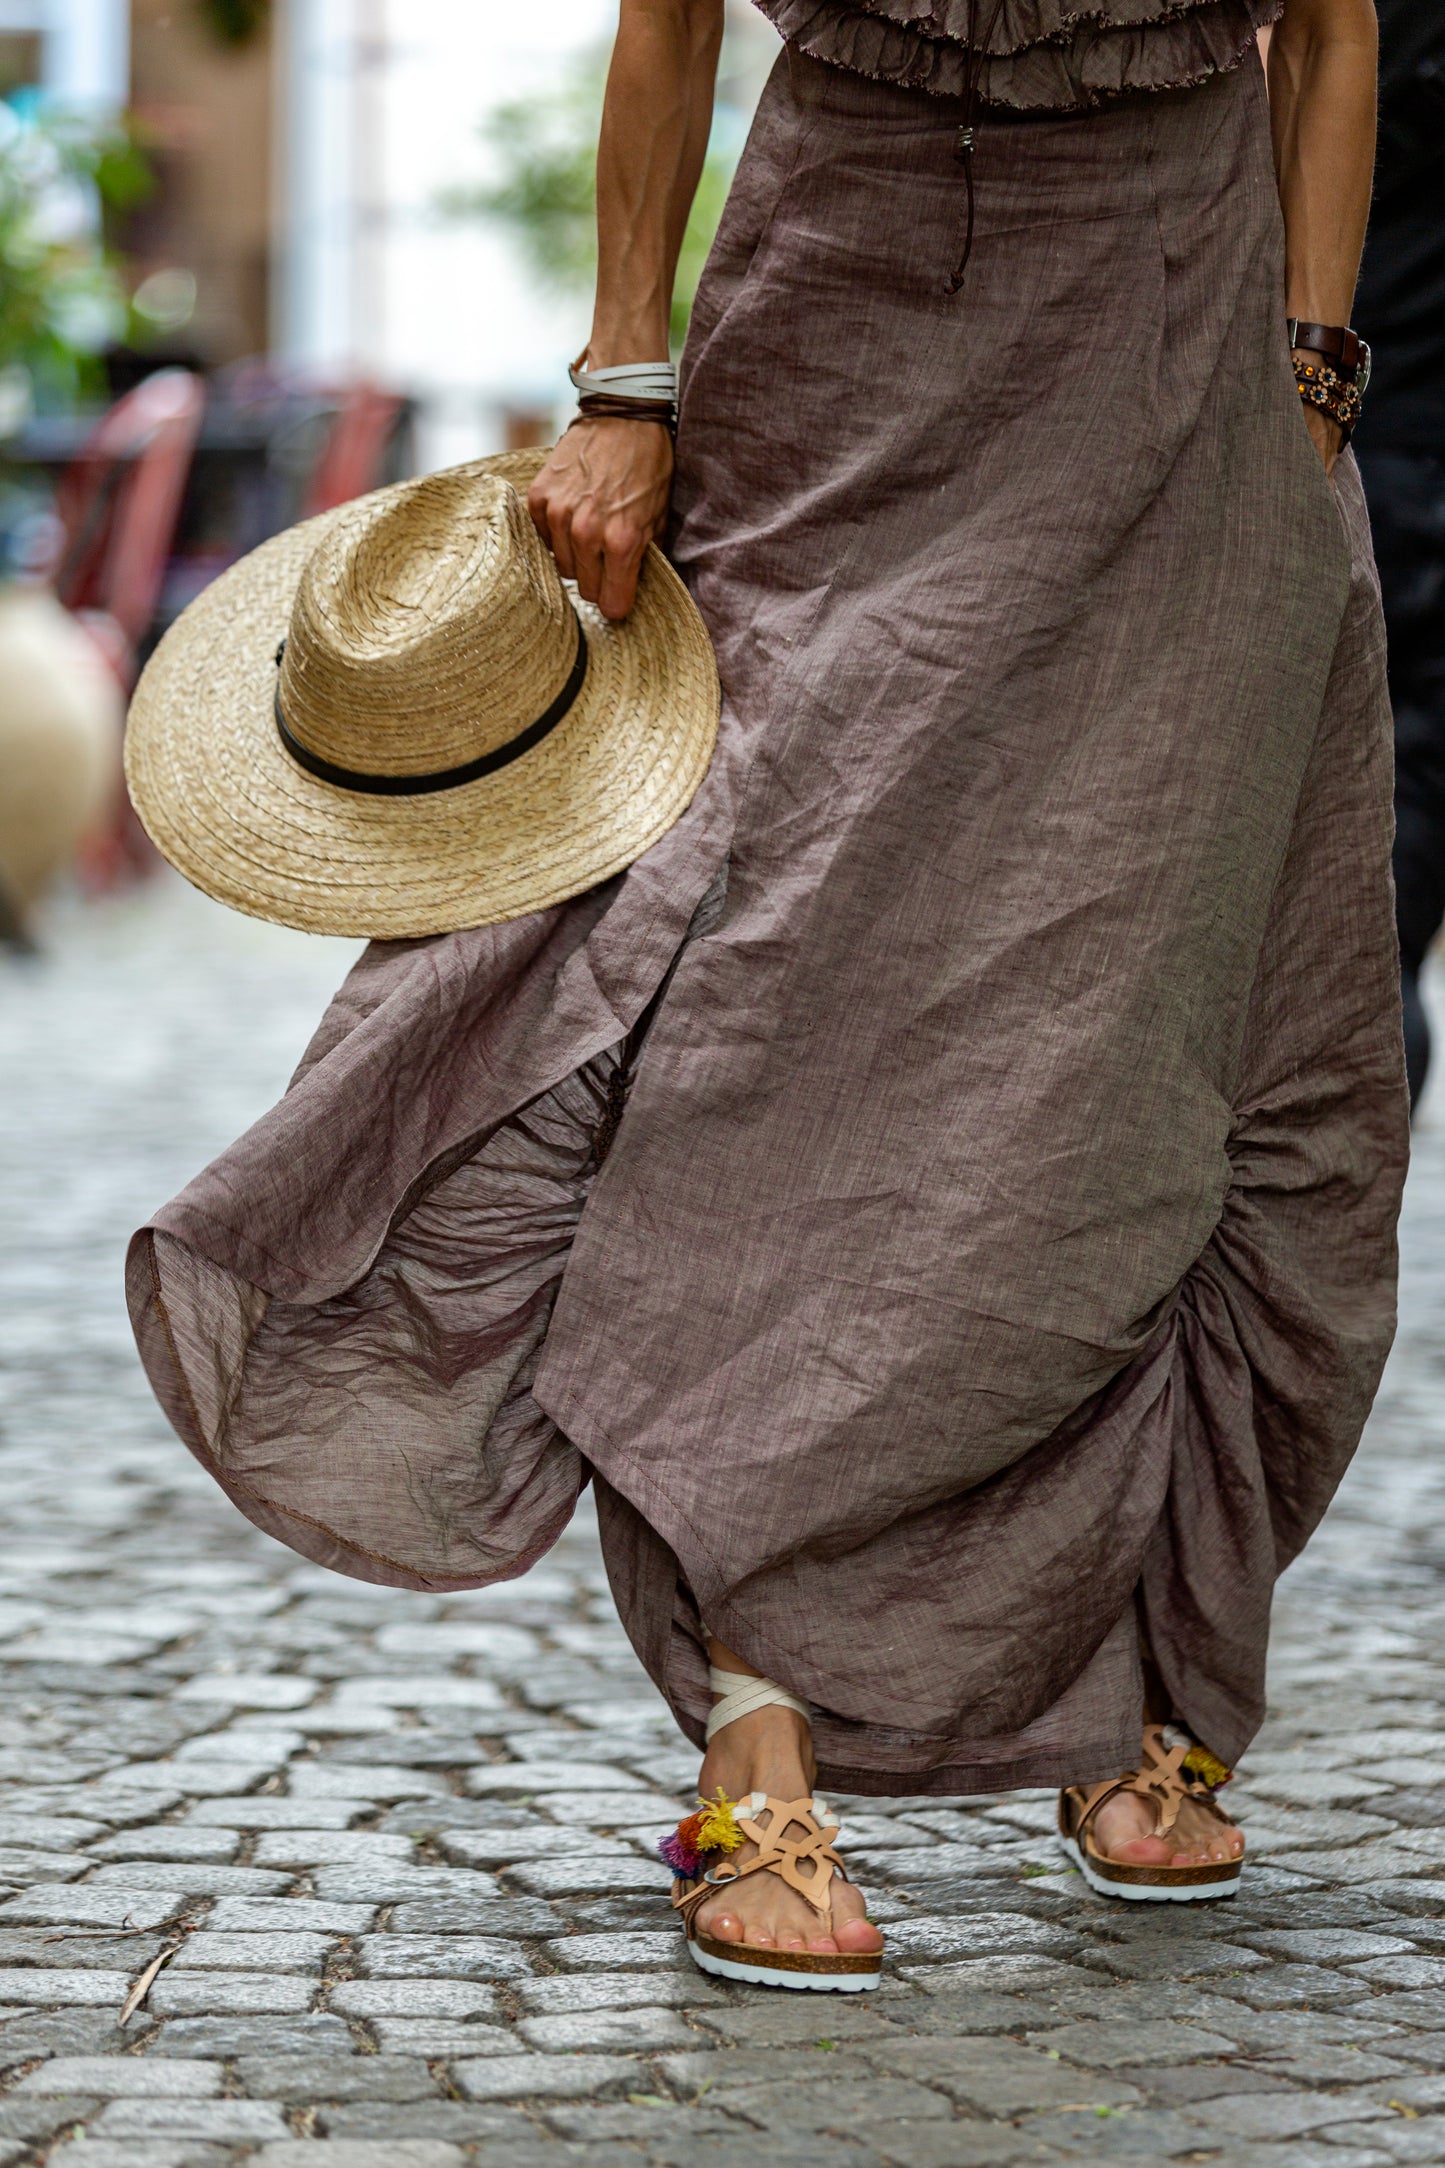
<point>426,631</point>
<point>397,720</point>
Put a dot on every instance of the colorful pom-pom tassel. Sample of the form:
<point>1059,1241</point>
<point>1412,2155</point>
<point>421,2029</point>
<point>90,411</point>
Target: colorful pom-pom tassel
<point>1207,1767</point>
<point>718,1830</point>
<point>682,1859</point>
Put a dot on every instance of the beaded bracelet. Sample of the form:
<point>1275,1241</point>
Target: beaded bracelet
<point>1335,396</point>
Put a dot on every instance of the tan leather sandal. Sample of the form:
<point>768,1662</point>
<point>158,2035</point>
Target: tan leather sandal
<point>1164,1777</point>
<point>808,1864</point>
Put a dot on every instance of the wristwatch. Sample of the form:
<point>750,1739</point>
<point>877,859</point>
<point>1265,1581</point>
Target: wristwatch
<point>1344,349</point>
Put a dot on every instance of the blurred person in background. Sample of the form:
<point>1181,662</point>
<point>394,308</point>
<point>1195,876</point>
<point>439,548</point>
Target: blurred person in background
<point>1401,449</point>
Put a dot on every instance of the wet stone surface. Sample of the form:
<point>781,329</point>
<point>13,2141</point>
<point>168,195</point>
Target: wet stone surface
<point>394,1850</point>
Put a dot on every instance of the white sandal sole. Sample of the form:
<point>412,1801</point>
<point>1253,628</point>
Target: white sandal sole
<point>827,1983</point>
<point>1152,1893</point>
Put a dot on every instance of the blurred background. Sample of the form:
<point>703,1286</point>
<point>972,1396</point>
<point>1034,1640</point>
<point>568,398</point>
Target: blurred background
<point>257,257</point>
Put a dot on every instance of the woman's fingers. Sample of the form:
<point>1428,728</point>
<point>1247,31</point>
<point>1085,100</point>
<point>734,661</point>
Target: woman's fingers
<point>598,502</point>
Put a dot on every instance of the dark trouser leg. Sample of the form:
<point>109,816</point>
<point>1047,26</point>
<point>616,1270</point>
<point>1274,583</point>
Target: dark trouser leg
<point>1406,494</point>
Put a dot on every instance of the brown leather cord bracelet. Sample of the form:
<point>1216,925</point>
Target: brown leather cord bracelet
<point>597,406</point>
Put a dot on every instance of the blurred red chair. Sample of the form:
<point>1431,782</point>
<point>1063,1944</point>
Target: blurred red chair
<point>119,503</point>
<point>353,456</point>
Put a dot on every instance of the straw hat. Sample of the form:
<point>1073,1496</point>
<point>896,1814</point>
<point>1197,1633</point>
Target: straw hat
<point>395,719</point>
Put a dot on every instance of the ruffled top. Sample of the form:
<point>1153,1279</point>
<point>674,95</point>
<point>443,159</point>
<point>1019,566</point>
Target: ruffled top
<point>1042,55</point>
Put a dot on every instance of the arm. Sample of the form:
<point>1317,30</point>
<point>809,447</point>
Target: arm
<point>1322,61</point>
<point>602,495</point>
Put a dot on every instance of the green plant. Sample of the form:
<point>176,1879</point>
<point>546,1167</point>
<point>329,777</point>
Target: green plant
<point>544,151</point>
<point>61,296</point>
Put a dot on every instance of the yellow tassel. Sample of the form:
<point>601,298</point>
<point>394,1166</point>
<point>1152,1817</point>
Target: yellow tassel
<point>717,1825</point>
<point>1207,1767</point>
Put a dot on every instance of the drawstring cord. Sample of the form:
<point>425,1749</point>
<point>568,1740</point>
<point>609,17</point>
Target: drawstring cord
<point>975,54</point>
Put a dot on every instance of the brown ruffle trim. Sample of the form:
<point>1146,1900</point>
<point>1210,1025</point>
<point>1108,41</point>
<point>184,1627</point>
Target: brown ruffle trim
<point>1044,55</point>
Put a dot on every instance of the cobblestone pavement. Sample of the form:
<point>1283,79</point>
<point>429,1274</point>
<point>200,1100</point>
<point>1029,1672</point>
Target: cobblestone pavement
<point>395,1851</point>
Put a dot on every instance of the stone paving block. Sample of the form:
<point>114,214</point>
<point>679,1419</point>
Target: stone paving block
<point>413,1998</point>
<point>19,1867</point>
<point>1283,2115</point>
<point>1003,1975</point>
<point>447,1957</point>
<point>1173,1957</point>
<point>1003,1934</point>
<point>361,2153</point>
<point>474,1916</point>
<point>118,2077</point>
<point>250,1690</point>
<point>910,2144</point>
<point>1128,2135</point>
<point>633,2122</point>
<point>331,1848</point>
<point>635,2031</point>
<point>226,2037</point>
<point>268,1915</point>
<point>318,1780</point>
<point>1406,1972</point>
<point>458,2122</point>
<point>227,2122</point>
<point>269,1811</point>
<point>835,2104</point>
<point>1285,1987</point>
<point>53,1990</point>
<point>36,2119</point>
<point>89,1907</point>
<point>389,1885</point>
<point>299,2079</point>
<point>196,1779</point>
<point>1424,2010</point>
<point>439,1691</point>
<point>299,1952</point>
<point>499,1847</point>
<point>577,1991</point>
<point>48,1832</point>
<point>228,1994</point>
<point>460,1637</point>
<point>1326,1945</point>
<point>30,2035</point>
<point>197,1879</point>
<point>141,2153</point>
<point>554,2077</point>
<point>996,2077</point>
<point>648,1809</point>
<point>240,1744</point>
<point>1422,2140</point>
<point>1099,2045</point>
<point>168,1840</point>
<point>617,1952</point>
<point>589,1875</point>
<point>531,1779</point>
<point>441,2038</point>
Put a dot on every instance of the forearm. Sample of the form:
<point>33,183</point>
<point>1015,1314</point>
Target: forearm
<point>655,126</point>
<point>1322,78</point>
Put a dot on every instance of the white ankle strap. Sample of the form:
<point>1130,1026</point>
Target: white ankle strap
<point>740,1693</point>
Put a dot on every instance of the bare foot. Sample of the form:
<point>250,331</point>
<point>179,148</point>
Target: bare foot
<point>1124,1830</point>
<point>772,1751</point>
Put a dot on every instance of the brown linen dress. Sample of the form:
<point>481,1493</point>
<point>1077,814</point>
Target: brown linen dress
<point>998,1242</point>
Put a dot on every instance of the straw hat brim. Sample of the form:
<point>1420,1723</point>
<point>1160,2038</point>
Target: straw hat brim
<point>222,799</point>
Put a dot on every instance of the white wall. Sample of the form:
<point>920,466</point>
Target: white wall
<point>382,99</point>
<point>381,105</point>
<point>85,47</point>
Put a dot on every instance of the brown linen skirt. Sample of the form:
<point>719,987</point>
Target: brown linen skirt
<point>998,1241</point>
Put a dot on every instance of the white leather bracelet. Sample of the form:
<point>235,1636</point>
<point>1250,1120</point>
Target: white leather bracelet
<point>649,380</point>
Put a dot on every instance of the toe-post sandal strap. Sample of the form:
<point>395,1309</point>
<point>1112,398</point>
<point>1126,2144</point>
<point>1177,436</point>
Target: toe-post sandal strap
<point>1172,1768</point>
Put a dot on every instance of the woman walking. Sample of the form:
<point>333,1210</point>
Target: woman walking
<point>992,1267</point>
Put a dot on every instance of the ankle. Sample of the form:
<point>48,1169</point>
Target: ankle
<point>770,1751</point>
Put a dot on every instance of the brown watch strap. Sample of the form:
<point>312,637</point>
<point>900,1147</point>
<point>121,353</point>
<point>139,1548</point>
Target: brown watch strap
<point>1335,341</point>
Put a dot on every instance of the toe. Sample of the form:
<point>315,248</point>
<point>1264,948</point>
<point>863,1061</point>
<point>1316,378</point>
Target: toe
<point>727,1927</point>
<point>824,1945</point>
<point>855,1936</point>
<point>1146,1852</point>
